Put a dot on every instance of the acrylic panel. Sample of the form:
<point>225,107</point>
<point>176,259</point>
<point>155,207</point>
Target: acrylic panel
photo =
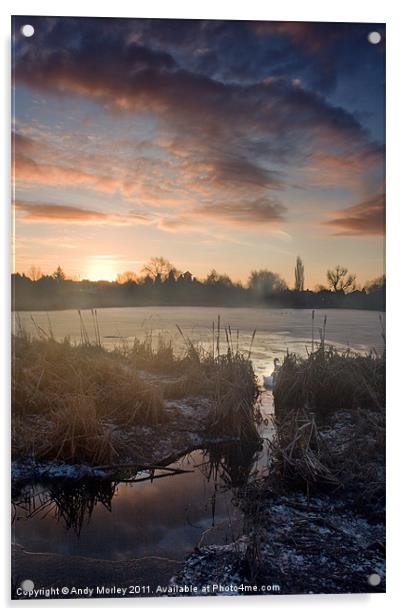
<point>198,387</point>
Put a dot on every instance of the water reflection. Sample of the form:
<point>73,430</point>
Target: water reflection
<point>72,502</point>
<point>229,464</point>
<point>119,520</point>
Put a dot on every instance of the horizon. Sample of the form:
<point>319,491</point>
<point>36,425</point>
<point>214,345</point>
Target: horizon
<point>234,146</point>
<point>138,277</point>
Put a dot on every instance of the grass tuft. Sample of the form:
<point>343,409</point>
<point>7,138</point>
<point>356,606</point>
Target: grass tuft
<point>329,380</point>
<point>330,420</point>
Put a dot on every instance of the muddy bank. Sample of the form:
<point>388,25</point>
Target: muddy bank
<point>325,537</point>
<point>303,546</point>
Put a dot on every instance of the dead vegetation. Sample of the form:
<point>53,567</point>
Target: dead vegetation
<point>330,420</point>
<point>329,380</point>
<point>69,400</point>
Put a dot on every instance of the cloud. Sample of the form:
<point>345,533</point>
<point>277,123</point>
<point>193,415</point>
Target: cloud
<point>27,170</point>
<point>148,181</point>
<point>242,172</point>
<point>362,166</point>
<point>229,136</point>
<point>42,171</point>
<point>247,213</point>
<point>252,212</point>
<point>312,37</point>
<point>126,76</point>
<point>50,213</point>
<point>365,218</point>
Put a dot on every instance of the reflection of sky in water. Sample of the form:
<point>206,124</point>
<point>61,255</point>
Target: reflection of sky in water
<point>277,330</point>
<point>165,518</point>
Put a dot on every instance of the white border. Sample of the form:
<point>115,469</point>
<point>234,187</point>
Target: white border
<point>306,10</point>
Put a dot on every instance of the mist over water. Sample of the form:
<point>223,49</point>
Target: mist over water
<point>277,330</point>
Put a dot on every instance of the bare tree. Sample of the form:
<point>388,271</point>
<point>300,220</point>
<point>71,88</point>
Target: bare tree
<point>299,275</point>
<point>34,273</point>
<point>159,267</point>
<point>339,279</point>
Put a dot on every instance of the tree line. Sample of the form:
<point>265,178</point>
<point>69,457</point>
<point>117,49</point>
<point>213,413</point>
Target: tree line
<point>161,283</point>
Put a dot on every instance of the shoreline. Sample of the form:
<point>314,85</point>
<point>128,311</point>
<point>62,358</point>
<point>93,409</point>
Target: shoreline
<point>217,306</point>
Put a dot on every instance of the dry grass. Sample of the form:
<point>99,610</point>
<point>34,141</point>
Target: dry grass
<point>300,454</point>
<point>329,380</point>
<point>76,433</point>
<point>46,371</point>
<point>150,354</point>
<point>65,398</point>
<point>228,379</point>
<point>235,396</point>
<point>69,399</point>
<point>330,419</point>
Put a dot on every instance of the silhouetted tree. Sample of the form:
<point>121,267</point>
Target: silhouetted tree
<point>299,275</point>
<point>214,278</point>
<point>265,283</point>
<point>339,279</point>
<point>376,285</point>
<point>59,274</point>
<point>159,266</point>
<point>56,291</point>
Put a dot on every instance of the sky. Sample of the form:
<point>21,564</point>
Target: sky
<point>233,145</point>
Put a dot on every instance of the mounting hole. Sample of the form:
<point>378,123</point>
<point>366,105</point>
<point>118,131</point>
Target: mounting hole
<point>374,579</point>
<point>374,38</point>
<point>27,585</point>
<point>28,30</point>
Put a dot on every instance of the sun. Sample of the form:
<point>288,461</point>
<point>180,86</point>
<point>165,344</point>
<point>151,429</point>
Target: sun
<point>101,270</point>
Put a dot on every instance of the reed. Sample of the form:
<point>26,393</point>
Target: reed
<point>228,379</point>
<point>330,420</point>
<point>45,371</point>
<point>300,455</point>
<point>149,354</point>
<point>68,399</point>
<point>75,433</point>
<point>328,380</point>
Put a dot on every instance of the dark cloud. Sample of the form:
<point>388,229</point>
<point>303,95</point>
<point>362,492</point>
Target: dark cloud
<point>234,172</point>
<point>365,218</point>
<point>233,100</point>
<point>245,213</point>
<point>213,119</point>
<point>127,75</point>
